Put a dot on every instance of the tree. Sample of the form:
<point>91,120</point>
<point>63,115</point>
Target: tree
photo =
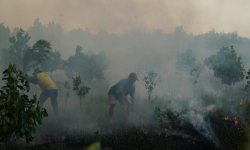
<point>230,70</point>
<point>18,114</point>
<point>23,55</point>
<point>216,59</point>
<point>188,63</point>
<point>150,83</point>
<point>88,67</point>
<point>16,52</point>
<point>53,64</point>
<point>36,55</point>
<point>81,90</point>
<point>4,36</point>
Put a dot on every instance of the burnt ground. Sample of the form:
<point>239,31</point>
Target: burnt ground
<point>230,135</point>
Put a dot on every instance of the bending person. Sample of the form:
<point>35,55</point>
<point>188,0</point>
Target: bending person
<point>48,87</point>
<point>120,91</point>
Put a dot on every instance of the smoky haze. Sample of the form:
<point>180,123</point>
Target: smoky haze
<point>124,16</point>
<point>136,36</point>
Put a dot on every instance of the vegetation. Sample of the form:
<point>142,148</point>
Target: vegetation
<point>227,66</point>
<point>80,90</point>
<point>53,64</point>
<point>88,67</point>
<point>150,83</point>
<point>188,63</point>
<point>66,86</point>
<point>19,115</point>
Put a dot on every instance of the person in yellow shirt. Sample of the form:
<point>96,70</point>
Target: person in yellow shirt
<point>48,87</point>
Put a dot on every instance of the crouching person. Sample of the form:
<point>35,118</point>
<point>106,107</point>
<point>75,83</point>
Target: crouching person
<point>120,91</point>
<point>48,87</point>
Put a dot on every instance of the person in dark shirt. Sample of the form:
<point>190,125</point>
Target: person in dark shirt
<point>120,91</point>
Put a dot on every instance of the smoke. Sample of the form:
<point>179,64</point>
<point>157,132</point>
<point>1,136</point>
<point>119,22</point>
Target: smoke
<point>201,125</point>
<point>126,16</point>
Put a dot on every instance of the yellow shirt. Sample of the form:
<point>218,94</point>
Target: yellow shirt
<point>45,82</point>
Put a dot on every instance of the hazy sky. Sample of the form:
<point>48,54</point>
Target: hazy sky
<point>123,16</point>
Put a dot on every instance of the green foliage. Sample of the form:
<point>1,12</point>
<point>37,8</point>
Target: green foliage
<point>150,83</point>
<point>38,54</point>
<point>188,63</point>
<point>231,69</point>
<point>247,87</point>
<point>80,90</point>
<point>15,53</point>
<point>88,67</point>
<point>54,63</point>
<point>169,114</point>
<point>66,86</point>
<point>18,113</point>
<point>4,35</point>
<point>217,59</point>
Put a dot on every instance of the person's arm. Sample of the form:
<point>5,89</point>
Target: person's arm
<point>132,100</point>
<point>132,94</point>
<point>32,79</point>
<point>124,97</point>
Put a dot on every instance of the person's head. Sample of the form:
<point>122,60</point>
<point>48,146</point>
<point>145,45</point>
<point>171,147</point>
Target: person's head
<point>132,77</point>
<point>37,70</point>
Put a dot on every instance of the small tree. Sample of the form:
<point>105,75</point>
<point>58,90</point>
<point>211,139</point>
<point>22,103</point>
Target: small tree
<point>150,83</point>
<point>66,86</point>
<point>81,90</point>
<point>195,73</point>
<point>230,70</point>
<point>18,114</point>
<point>188,63</point>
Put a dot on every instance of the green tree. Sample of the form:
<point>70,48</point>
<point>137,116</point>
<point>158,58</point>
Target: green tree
<point>23,55</point>
<point>53,64</point>
<point>88,67</point>
<point>36,55</point>
<point>4,36</point>
<point>15,53</point>
<point>80,90</point>
<point>217,59</point>
<point>187,62</point>
<point>150,83</point>
<point>230,70</point>
<point>19,115</point>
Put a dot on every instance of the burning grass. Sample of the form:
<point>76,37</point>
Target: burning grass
<point>207,127</point>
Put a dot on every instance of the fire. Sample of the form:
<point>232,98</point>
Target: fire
<point>235,121</point>
<point>241,102</point>
<point>170,126</point>
<point>226,118</point>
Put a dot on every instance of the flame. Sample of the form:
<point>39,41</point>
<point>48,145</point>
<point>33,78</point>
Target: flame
<point>235,121</point>
<point>170,126</point>
<point>226,118</point>
<point>241,102</point>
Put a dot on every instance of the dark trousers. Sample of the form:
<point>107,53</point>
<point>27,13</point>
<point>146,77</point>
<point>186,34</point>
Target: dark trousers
<point>53,96</point>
